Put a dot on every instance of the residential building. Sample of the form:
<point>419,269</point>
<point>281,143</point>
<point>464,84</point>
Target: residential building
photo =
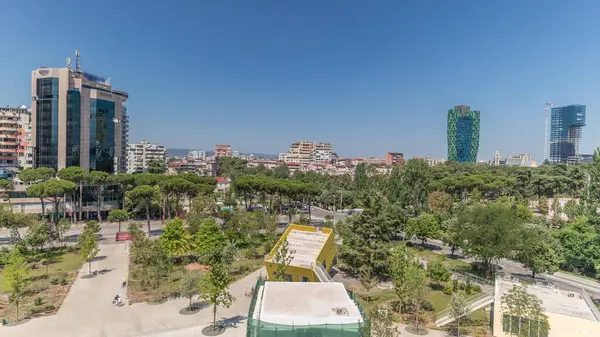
<point>305,152</point>
<point>463,134</point>
<point>394,159</point>
<point>16,150</point>
<point>586,158</point>
<point>434,161</point>
<point>521,159</point>
<point>223,184</point>
<point>570,313</point>
<point>314,254</point>
<point>375,161</point>
<point>77,119</point>
<point>289,309</point>
<point>139,156</point>
<point>566,129</point>
<point>222,150</point>
<point>196,155</point>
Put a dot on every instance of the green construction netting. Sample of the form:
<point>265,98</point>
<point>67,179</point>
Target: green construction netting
<point>258,328</point>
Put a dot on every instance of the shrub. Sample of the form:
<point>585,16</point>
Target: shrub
<point>448,289</point>
<point>455,285</point>
<point>49,307</point>
<point>38,301</point>
<point>56,280</point>
<point>476,288</point>
<point>427,306</point>
<point>469,290</point>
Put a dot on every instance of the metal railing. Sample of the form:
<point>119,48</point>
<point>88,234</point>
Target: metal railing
<point>474,302</point>
<point>590,304</point>
<point>321,272</point>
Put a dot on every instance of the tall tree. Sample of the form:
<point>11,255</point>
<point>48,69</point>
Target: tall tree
<point>209,238</point>
<point>55,190</point>
<point>36,175</point>
<point>524,312</point>
<point>96,180</point>
<point>175,241</point>
<point>394,184</point>
<point>15,275</point>
<point>490,232</point>
<point>416,179</point>
<point>157,167</point>
<point>126,182</point>
<point>368,280</point>
<point>439,201</point>
<point>361,178</point>
<point>423,226</point>
<point>145,194</point>
<point>74,174</point>
<point>39,191</point>
<point>539,251</point>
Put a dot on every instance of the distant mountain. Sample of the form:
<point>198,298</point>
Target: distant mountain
<point>184,152</point>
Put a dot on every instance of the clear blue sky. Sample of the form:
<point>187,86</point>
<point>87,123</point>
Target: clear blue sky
<point>367,76</point>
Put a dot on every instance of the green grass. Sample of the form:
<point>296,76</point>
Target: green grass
<point>60,272</point>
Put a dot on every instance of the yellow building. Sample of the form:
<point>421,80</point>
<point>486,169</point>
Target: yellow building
<point>313,253</point>
<point>570,314</point>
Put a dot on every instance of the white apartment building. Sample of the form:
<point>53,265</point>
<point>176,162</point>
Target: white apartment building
<point>139,156</point>
<point>434,161</point>
<point>16,150</point>
<point>308,152</point>
<point>196,155</point>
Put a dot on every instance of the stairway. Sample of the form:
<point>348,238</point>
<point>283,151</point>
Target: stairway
<point>321,273</point>
<point>474,302</point>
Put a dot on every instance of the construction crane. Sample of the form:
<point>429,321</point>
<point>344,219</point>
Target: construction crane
<point>546,131</point>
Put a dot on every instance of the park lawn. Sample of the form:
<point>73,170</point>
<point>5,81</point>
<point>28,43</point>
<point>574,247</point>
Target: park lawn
<point>243,267</point>
<point>50,288</point>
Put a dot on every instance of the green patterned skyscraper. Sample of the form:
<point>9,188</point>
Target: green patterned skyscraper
<point>463,134</point>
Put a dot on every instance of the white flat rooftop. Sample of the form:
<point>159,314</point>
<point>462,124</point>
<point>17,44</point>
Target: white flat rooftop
<point>306,247</point>
<point>554,301</point>
<point>305,303</point>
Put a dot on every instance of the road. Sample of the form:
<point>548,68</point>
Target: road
<point>562,280</point>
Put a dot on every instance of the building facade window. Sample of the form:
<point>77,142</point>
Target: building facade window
<point>46,154</point>
<point>73,127</point>
<point>102,135</point>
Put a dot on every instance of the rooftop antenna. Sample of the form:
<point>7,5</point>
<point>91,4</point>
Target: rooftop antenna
<point>77,61</point>
<point>546,142</point>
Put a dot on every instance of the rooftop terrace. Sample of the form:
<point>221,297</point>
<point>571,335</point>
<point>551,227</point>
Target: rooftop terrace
<point>555,301</point>
<point>305,303</point>
<point>306,247</point>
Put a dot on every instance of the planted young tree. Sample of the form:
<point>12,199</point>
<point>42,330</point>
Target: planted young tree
<point>118,215</point>
<point>381,323</point>
<point>368,280</point>
<point>87,242</point>
<point>526,311</point>
<point>282,259</point>
<point>418,290</point>
<point>189,286</point>
<point>38,235</point>
<point>144,193</point>
<point>458,309</point>
<point>438,272</point>
<point>215,289</point>
<point>62,227</point>
<point>402,263</point>
<point>15,275</point>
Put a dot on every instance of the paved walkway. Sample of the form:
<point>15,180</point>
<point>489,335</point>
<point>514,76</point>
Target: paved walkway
<point>88,311</point>
<point>401,328</point>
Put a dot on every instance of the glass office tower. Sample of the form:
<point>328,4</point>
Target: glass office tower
<point>463,134</point>
<point>77,120</point>
<point>566,129</point>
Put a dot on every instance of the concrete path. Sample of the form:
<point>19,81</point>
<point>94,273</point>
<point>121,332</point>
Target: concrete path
<point>88,311</point>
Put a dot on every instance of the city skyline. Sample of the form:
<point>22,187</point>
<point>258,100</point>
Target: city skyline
<point>378,78</point>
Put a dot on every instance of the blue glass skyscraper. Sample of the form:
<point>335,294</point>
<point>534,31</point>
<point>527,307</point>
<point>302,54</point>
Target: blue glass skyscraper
<point>566,129</point>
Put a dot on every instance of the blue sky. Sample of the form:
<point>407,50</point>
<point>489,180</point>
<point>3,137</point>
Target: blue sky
<point>368,76</point>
